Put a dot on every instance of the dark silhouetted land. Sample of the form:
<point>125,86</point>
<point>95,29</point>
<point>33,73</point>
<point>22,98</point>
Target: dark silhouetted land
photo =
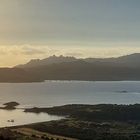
<point>70,68</point>
<point>90,122</point>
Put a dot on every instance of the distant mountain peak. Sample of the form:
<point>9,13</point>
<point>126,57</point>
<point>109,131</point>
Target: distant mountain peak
<point>126,60</point>
<point>50,60</point>
<point>70,68</point>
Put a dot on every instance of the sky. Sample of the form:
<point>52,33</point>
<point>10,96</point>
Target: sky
<point>82,28</point>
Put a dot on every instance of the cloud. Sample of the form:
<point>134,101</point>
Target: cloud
<point>20,54</point>
<point>74,54</point>
<point>22,50</point>
<point>28,50</point>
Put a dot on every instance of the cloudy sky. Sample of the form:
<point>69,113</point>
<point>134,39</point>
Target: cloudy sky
<point>82,28</point>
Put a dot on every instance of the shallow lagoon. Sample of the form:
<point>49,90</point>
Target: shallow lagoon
<point>20,118</point>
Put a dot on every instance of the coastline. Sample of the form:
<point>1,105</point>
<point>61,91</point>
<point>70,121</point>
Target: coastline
<point>87,121</point>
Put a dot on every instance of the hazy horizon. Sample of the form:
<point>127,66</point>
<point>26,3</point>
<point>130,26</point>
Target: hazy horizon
<point>91,28</point>
<point>64,56</point>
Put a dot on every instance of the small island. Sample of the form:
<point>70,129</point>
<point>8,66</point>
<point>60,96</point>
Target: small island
<point>10,105</point>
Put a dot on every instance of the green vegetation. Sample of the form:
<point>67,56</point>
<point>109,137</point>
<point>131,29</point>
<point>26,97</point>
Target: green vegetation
<point>83,122</point>
<point>94,112</point>
<point>10,134</point>
<point>93,122</point>
<point>85,130</point>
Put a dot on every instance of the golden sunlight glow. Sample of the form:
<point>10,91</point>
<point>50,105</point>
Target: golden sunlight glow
<point>13,55</point>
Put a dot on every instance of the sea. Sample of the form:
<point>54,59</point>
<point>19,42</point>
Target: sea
<point>56,93</point>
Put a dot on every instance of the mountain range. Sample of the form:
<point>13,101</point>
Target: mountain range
<point>89,69</point>
<point>70,68</point>
<point>132,60</point>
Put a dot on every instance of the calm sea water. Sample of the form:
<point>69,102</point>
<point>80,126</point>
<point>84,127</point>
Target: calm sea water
<point>21,118</point>
<point>54,93</point>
